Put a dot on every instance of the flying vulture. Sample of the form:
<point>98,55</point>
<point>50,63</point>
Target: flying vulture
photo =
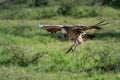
<point>76,33</point>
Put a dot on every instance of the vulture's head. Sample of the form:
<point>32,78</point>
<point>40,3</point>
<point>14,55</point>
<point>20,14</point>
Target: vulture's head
<point>40,26</point>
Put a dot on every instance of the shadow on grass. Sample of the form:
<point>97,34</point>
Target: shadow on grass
<point>49,34</point>
<point>55,36</point>
<point>107,35</point>
<point>99,36</point>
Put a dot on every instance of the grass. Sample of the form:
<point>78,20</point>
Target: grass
<point>27,53</point>
<point>38,13</point>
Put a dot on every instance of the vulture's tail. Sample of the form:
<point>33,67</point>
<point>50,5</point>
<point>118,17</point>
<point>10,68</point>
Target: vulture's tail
<point>98,25</point>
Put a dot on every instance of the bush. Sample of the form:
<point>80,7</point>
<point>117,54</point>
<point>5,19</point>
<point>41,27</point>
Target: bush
<point>65,8</point>
<point>47,13</point>
<point>79,12</point>
<point>32,13</point>
<point>38,3</point>
<point>20,30</point>
<point>17,55</point>
<point>92,12</point>
<point>115,3</point>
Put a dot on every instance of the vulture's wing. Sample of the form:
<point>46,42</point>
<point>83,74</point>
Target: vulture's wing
<point>51,28</point>
<point>81,28</point>
<point>88,36</point>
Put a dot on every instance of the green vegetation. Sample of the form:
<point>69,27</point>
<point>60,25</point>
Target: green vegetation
<point>51,12</point>
<point>28,53</point>
<point>40,9</point>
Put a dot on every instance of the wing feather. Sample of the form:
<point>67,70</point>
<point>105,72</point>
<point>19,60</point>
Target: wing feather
<point>80,28</point>
<point>52,28</point>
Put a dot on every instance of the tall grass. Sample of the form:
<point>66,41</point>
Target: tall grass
<point>29,53</point>
<point>51,12</point>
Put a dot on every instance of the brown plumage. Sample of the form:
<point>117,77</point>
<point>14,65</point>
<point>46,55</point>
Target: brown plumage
<point>50,28</point>
<point>75,33</point>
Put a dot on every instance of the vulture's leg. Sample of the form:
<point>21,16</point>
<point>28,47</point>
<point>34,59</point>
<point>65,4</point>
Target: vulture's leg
<point>71,48</point>
<point>75,45</point>
<point>79,40</point>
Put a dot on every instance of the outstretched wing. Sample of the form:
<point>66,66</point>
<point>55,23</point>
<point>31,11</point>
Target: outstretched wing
<point>51,28</point>
<point>78,28</point>
<point>81,28</point>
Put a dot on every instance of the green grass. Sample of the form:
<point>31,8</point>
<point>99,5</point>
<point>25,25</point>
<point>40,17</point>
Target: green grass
<point>27,53</point>
<point>38,13</point>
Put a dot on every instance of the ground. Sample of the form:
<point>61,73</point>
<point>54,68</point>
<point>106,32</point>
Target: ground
<point>28,53</point>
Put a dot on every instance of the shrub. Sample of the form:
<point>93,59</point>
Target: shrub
<point>20,30</point>
<point>93,12</point>
<point>38,3</point>
<point>65,8</point>
<point>79,12</point>
<point>47,13</point>
<point>18,56</point>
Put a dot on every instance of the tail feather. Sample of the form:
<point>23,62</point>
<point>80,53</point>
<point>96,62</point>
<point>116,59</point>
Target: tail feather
<point>99,23</point>
<point>103,24</point>
<point>96,27</point>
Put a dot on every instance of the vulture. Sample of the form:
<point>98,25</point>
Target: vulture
<point>76,33</point>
